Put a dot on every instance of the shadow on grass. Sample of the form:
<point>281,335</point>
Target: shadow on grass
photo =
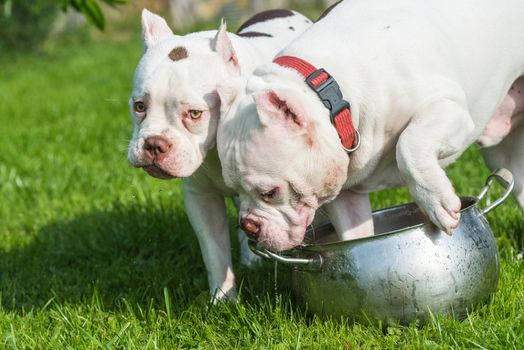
<point>128,252</point>
<point>135,252</point>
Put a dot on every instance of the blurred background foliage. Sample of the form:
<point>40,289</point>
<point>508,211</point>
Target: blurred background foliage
<point>28,25</point>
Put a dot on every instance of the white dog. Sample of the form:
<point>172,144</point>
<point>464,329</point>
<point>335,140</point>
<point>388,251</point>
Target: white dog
<point>424,80</point>
<point>175,109</point>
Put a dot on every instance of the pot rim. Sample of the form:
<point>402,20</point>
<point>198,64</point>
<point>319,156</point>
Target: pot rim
<point>470,200</point>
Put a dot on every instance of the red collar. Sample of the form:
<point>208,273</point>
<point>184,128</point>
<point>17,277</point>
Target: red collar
<point>329,92</point>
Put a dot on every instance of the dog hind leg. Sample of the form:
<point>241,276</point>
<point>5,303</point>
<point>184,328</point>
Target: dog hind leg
<point>509,154</point>
<point>506,149</point>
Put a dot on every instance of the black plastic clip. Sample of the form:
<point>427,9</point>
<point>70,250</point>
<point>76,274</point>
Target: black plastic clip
<point>329,92</point>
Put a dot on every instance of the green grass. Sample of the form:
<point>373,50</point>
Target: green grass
<point>96,254</point>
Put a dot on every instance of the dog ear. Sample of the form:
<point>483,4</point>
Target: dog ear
<point>154,28</point>
<point>273,107</point>
<point>222,45</point>
<point>229,90</point>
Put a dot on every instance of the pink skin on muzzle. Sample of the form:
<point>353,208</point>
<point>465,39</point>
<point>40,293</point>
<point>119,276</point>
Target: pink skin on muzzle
<point>274,237</point>
<point>160,157</point>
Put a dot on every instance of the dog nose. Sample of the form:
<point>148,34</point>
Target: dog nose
<point>249,226</point>
<point>156,147</point>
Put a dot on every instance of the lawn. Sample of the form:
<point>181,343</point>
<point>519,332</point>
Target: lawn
<point>96,254</point>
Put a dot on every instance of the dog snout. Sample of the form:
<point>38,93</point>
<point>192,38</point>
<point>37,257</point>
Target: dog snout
<point>250,226</point>
<point>156,147</point>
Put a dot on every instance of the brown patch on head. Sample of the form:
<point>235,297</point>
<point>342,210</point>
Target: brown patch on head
<point>178,53</point>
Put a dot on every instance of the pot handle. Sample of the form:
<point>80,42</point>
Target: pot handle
<point>505,178</point>
<point>268,254</point>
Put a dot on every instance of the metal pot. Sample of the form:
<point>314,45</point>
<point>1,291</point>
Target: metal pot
<point>406,271</point>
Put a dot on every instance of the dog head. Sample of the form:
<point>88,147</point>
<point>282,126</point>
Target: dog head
<point>280,152</point>
<point>174,105</point>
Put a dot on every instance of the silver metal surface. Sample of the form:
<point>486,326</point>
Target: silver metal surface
<point>357,146</point>
<point>406,270</point>
<point>268,254</point>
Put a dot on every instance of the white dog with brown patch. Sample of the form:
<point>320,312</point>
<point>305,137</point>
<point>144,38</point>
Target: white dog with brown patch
<point>175,110</point>
<point>424,80</point>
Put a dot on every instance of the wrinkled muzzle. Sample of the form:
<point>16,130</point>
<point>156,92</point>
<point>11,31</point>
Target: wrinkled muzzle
<point>164,157</point>
<point>274,235</point>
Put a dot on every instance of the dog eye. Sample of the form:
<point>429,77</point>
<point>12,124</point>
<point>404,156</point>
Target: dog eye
<point>195,114</point>
<point>139,107</point>
<point>269,195</point>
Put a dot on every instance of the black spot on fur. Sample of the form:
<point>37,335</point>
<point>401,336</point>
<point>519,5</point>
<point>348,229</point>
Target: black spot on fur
<point>265,16</point>
<point>254,35</point>
<point>328,10</point>
<point>292,28</point>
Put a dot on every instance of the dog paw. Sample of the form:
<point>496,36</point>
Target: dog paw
<point>443,210</point>
<point>221,297</point>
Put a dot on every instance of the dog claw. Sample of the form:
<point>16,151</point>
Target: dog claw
<point>454,215</point>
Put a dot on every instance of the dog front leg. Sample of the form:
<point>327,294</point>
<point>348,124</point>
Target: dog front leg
<point>350,214</point>
<point>208,216</point>
<point>434,138</point>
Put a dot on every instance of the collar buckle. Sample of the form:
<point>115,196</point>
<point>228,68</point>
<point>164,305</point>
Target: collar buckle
<point>328,91</point>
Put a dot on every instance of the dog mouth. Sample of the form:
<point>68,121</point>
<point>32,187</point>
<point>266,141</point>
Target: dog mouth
<point>284,242</point>
<point>157,172</point>
<point>278,239</point>
<point>280,235</point>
